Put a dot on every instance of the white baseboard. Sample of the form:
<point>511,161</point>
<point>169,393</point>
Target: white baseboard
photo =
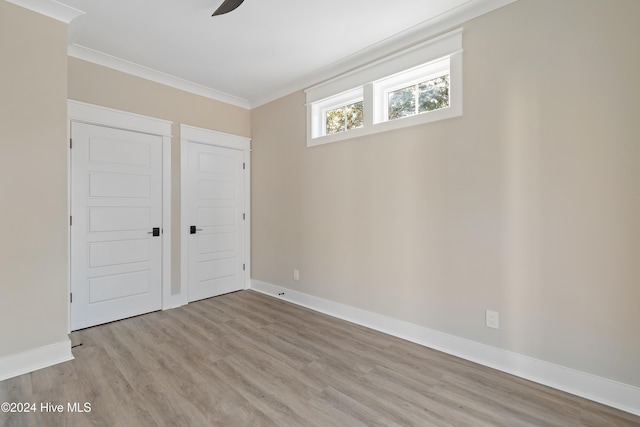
<point>32,360</point>
<point>611,393</point>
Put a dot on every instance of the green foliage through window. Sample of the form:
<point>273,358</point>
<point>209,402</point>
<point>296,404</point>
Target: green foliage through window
<point>344,118</point>
<point>426,96</point>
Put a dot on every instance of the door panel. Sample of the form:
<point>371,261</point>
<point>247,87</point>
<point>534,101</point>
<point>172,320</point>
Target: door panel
<point>120,218</point>
<point>216,269</point>
<point>116,195</point>
<point>118,286</point>
<point>119,185</point>
<point>216,242</point>
<point>217,217</point>
<point>104,254</point>
<point>215,206</point>
<point>119,151</point>
<point>215,190</point>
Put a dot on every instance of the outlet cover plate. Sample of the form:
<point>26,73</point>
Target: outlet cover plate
<point>493,319</point>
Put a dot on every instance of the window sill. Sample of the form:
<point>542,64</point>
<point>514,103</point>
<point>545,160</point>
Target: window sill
<point>431,116</point>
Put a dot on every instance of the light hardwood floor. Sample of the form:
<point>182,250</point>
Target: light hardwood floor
<point>245,359</point>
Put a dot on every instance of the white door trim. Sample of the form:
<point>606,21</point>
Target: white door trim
<point>191,134</point>
<point>82,112</point>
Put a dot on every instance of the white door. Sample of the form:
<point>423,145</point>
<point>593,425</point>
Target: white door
<point>215,205</point>
<point>116,208</point>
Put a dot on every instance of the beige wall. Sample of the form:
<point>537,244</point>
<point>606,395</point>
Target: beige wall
<point>33,180</point>
<point>99,85</point>
<point>529,204</point>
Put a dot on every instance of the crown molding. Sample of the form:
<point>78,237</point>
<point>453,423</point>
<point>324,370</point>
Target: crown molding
<point>419,33</point>
<point>51,8</point>
<point>100,58</point>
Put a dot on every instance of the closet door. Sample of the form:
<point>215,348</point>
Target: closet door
<point>116,207</point>
<point>215,206</point>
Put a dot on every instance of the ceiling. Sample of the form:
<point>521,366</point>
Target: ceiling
<point>263,50</point>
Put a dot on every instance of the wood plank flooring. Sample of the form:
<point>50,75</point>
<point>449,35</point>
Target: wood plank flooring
<point>245,359</point>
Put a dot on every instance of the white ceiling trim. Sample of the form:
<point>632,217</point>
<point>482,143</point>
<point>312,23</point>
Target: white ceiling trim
<point>100,58</point>
<point>51,8</point>
<point>411,36</point>
<point>417,34</point>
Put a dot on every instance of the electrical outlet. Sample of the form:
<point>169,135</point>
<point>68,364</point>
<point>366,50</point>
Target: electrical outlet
<point>296,274</point>
<point>493,319</point>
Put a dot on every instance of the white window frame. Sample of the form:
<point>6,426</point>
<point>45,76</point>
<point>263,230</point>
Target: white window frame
<point>373,82</point>
<point>321,108</point>
<point>383,87</point>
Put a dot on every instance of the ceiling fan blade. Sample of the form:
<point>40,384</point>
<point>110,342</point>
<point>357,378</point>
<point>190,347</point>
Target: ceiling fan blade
<point>227,6</point>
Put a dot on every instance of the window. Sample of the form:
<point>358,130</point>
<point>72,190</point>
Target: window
<point>389,94</point>
<point>419,90</point>
<point>338,113</point>
<point>343,118</point>
<point>419,98</point>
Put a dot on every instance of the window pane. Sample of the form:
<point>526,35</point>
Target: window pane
<point>402,102</point>
<point>335,120</point>
<point>433,94</point>
<point>355,115</point>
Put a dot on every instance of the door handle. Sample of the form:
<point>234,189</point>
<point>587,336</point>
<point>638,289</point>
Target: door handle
<point>193,229</point>
<point>155,232</point>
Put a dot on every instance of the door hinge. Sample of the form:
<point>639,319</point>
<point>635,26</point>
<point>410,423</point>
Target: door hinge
<point>71,297</point>
<point>70,143</point>
<point>243,267</point>
<point>243,165</point>
<point>244,216</point>
<point>70,220</point>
